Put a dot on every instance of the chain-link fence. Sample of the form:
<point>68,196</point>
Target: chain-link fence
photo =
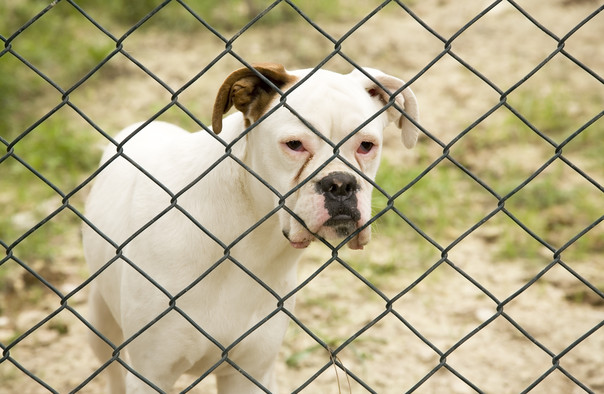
<point>486,269</point>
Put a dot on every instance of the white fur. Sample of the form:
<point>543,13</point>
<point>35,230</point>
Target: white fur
<point>226,202</point>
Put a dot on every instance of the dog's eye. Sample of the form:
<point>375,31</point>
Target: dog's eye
<point>365,147</point>
<point>295,145</point>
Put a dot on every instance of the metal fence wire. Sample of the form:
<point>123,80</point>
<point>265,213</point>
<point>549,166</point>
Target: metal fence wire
<point>441,358</point>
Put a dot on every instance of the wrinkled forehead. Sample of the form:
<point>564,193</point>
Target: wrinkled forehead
<point>334,104</point>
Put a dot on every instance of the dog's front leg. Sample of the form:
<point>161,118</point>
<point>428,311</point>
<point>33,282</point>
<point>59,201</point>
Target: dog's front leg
<point>160,355</point>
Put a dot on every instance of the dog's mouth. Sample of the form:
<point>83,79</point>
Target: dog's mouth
<point>337,227</point>
<point>342,225</point>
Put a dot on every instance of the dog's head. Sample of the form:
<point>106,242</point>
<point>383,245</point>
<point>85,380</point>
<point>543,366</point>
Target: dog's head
<point>307,148</point>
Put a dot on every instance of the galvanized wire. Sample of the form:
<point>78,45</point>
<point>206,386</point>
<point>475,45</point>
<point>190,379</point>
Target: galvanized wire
<point>335,259</point>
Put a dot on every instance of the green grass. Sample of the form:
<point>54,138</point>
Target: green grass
<point>60,150</point>
<point>222,15</point>
<point>556,205</point>
<point>61,45</point>
<point>439,203</point>
<point>356,347</point>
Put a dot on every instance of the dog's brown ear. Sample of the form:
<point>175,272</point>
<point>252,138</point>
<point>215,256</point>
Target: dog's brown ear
<point>248,92</point>
<point>406,100</point>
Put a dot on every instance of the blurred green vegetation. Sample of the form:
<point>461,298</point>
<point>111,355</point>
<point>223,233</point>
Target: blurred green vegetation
<point>220,14</point>
<point>63,33</point>
<point>556,205</point>
<point>446,203</point>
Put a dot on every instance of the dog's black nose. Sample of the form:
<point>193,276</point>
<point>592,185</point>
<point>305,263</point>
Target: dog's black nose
<point>338,186</point>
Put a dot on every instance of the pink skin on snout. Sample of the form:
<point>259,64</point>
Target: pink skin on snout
<point>311,209</point>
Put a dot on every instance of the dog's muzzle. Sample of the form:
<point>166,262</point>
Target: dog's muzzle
<point>340,192</point>
<point>332,207</point>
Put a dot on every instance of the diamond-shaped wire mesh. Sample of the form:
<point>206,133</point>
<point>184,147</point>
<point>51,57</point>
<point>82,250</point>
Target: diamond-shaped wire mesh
<point>486,271</point>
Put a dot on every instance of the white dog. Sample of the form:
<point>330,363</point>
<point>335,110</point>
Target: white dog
<point>191,270</point>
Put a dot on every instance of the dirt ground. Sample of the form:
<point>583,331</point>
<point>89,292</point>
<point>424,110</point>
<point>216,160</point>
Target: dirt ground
<point>445,306</point>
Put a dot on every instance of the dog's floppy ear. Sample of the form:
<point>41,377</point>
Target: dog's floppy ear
<point>406,100</point>
<point>248,92</point>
